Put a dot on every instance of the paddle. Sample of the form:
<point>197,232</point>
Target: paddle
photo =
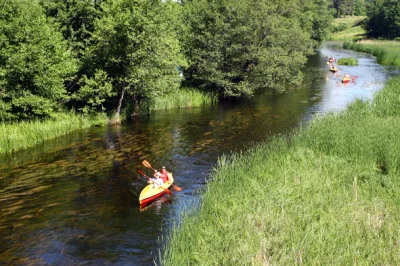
<point>166,189</point>
<point>148,165</point>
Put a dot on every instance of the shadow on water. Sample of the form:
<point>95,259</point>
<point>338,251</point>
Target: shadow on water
<point>74,200</point>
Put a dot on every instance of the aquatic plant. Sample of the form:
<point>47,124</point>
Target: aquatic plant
<point>348,61</point>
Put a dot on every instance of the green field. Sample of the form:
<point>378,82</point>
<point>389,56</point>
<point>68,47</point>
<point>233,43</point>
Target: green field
<point>352,28</point>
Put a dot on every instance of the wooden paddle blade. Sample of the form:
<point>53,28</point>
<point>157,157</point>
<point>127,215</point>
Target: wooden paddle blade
<point>168,191</point>
<point>176,187</point>
<point>147,164</point>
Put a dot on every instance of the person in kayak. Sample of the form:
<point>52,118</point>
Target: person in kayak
<point>164,174</point>
<point>157,181</point>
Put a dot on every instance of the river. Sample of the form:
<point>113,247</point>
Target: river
<point>74,200</point>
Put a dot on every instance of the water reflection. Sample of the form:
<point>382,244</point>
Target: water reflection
<point>74,200</point>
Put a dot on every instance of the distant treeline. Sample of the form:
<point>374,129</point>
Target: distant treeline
<point>349,7</point>
<point>383,19</point>
<point>383,16</point>
<point>103,55</point>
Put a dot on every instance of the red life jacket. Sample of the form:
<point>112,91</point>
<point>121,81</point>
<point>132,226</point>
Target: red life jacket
<point>164,176</point>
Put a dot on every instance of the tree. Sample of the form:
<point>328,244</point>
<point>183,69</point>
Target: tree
<point>75,19</point>
<point>236,47</point>
<point>34,62</point>
<point>348,7</point>
<point>135,44</point>
<point>383,19</point>
<point>360,8</point>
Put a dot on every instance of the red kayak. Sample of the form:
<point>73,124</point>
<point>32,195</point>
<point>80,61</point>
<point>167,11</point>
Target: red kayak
<point>150,194</point>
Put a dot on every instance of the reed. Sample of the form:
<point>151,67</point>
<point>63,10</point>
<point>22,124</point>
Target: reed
<point>348,61</point>
<point>326,194</point>
<point>22,135</point>
<point>182,98</point>
<point>386,52</point>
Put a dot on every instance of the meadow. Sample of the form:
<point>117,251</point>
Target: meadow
<point>347,29</point>
<point>327,194</point>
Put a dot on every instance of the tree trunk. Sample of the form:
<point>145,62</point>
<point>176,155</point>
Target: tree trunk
<point>135,106</point>
<point>116,119</point>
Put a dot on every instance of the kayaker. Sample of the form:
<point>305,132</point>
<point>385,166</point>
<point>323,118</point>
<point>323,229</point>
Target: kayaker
<point>164,174</point>
<point>157,181</point>
<point>347,76</point>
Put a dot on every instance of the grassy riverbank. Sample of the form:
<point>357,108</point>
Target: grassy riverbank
<point>328,194</point>
<point>22,135</point>
<point>386,52</point>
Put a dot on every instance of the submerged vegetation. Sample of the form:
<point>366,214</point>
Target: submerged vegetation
<point>25,134</point>
<point>327,194</point>
<point>348,61</point>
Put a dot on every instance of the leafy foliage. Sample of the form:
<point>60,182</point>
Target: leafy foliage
<point>137,47</point>
<point>237,47</point>
<point>93,92</point>
<point>34,60</point>
<point>383,19</point>
<point>93,55</point>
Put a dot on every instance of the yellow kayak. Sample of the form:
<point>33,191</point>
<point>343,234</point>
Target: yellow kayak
<point>149,194</point>
<point>333,69</point>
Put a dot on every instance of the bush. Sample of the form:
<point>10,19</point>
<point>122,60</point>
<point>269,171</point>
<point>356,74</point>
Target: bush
<point>32,107</point>
<point>340,27</point>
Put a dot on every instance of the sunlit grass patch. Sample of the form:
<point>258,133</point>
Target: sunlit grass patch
<point>386,52</point>
<point>182,98</point>
<point>348,28</point>
<point>21,135</point>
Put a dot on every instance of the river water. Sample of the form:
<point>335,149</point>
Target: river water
<point>74,200</point>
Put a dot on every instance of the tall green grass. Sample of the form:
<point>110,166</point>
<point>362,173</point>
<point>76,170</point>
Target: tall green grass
<point>326,195</point>
<point>182,98</point>
<point>21,135</point>
<point>386,52</point>
<point>348,61</point>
